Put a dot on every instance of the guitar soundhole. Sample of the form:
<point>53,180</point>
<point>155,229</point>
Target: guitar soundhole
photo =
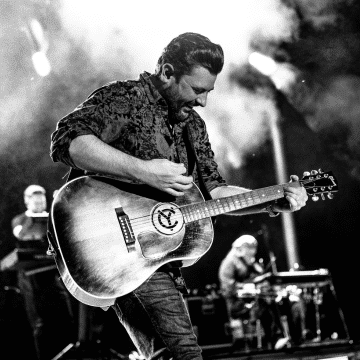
<point>167,219</point>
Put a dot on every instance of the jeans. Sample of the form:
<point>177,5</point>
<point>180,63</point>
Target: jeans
<point>155,317</point>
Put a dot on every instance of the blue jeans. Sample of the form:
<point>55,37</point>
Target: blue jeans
<point>155,317</point>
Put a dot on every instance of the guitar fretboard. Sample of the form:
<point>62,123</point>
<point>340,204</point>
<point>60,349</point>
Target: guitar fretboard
<point>227,204</point>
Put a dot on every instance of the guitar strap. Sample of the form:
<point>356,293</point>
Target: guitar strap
<point>73,174</point>
<point>192,160</point>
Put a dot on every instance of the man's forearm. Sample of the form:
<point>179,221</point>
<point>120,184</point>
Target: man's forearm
<point>90,153</point>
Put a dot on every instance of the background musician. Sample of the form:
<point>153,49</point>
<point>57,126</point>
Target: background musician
<point>244,306</point>
<point>46,301</point>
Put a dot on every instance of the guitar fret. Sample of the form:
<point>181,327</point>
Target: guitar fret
<point>214,207</point>
<point>207,211</point>
<point>248,196</point>
<point>203,212</point>
<point>210,208</point>
<point>241,201</point>
<point>224,205</point>
<point>258,195</point>
<point>219,205</point>
<point>198,213</point>
<point>186,215</point>
<point>191,213</point>
<point>228,204</point>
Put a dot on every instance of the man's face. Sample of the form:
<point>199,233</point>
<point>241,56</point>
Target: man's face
<point>189,91</point>
<point>36,203</point>
<point>248,253</point>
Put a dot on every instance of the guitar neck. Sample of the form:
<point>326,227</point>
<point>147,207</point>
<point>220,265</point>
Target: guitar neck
<point>210,208</point>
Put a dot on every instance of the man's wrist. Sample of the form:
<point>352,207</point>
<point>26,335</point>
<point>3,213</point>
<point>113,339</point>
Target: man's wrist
<point>271,212</point>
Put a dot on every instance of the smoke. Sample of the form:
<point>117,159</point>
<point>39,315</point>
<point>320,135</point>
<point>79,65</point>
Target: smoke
<point>92,43</point>
<point>16,84</point>
<point>141,29</point>
<point>328,96</point>
<point>335,115</point>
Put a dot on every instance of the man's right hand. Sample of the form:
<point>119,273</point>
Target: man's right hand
<point>90,153</point>
<point>167,176</point>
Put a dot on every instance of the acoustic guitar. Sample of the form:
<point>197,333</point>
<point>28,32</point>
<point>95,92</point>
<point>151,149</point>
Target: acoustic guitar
<point>107,236</point>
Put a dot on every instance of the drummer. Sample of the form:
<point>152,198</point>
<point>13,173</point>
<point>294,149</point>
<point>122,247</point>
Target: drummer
<point>236,272</point>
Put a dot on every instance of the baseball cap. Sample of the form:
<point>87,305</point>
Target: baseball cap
<point>31,189</point>
<point>244,240</point>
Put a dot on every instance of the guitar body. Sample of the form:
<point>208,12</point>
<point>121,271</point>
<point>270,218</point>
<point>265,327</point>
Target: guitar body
<point>109,236</point>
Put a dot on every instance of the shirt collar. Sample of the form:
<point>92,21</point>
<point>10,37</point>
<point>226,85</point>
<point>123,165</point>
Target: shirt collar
<point>151,92</point>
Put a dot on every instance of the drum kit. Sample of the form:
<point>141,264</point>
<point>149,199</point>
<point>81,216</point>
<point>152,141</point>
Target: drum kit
<point>282,289</point>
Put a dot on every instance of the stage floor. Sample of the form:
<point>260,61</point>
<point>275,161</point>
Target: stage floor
<point>326,350</point>
<point>334,350</point>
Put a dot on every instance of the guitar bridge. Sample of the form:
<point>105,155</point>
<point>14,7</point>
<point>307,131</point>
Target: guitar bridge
<point>126,229</point>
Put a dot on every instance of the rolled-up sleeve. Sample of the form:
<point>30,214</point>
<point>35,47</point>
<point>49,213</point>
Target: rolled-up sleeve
<point>68,128</point>
<point>96,116</point>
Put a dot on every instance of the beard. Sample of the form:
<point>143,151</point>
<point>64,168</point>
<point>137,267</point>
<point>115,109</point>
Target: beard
<point>179,110</point>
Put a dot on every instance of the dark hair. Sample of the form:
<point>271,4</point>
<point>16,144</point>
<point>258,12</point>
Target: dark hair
<point>190,49</point>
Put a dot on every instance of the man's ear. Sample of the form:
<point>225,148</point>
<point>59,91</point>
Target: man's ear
<point>167,71</point>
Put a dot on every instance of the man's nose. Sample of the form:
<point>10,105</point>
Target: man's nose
<point>201,99</point>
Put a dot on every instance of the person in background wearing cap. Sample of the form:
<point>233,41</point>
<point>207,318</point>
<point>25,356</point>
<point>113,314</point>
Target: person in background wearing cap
<point>45,298</point>
<point>236,272</point>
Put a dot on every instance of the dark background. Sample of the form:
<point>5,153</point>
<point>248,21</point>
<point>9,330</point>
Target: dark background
<point>314,136</point>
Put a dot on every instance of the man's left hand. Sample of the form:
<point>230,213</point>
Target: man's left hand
<point>295,197</point>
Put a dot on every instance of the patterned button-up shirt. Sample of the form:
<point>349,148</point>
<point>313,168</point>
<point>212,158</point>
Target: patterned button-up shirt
<point>132,117</point>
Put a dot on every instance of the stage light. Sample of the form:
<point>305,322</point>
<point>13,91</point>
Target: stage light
<point>39,44</point>
<point>283,75</point>
<point>41,63</point>
<point>263,63</point>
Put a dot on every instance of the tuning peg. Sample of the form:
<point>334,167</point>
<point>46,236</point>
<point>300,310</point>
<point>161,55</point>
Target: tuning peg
<point>322,196</point>
<point>306,173</point>
<point>320,171</point>
<point>315,198</point>
<point>330,195</point>
<point>314,172</point>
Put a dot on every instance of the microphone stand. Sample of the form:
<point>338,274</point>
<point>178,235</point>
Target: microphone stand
<point>273,263</point>
<point>282,319</point>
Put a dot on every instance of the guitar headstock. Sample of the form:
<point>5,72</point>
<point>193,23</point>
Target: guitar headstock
<point>320,183</point>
